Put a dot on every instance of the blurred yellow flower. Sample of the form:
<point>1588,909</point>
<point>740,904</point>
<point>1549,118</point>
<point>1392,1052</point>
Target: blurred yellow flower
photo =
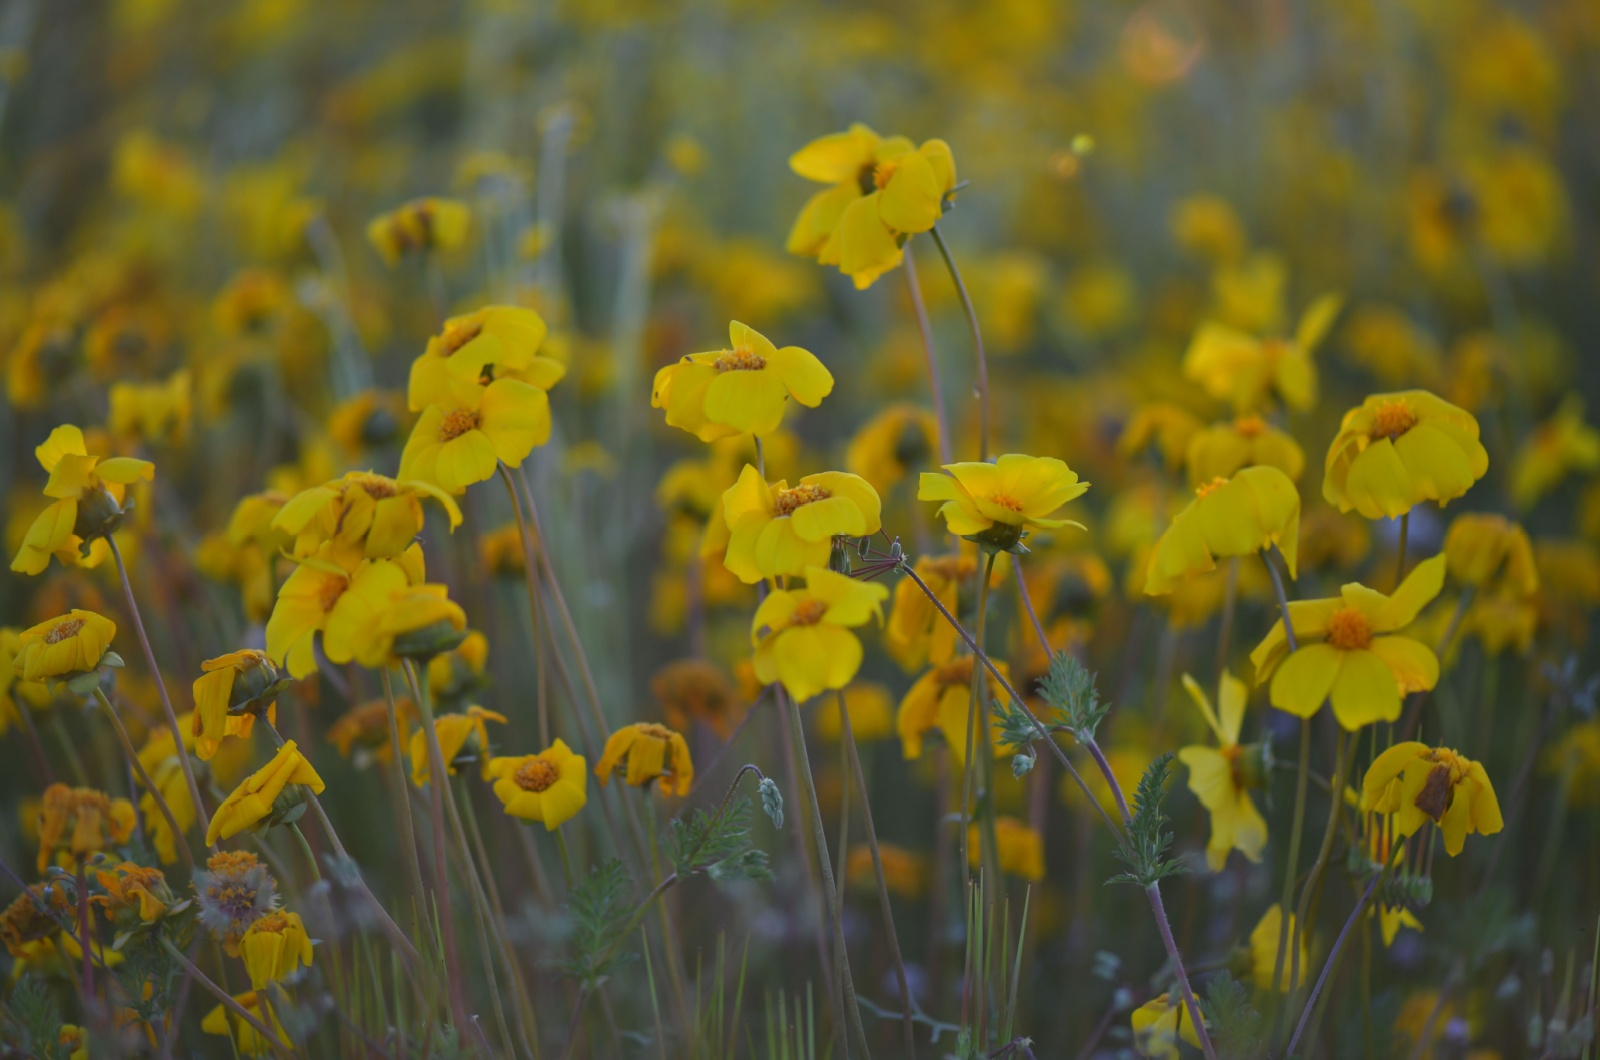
<point>1249,441</point>
<point>462,735</point>
<point>1238,367</point>
<point>158,413</point>
<point>1395,451</point>
<point>550,787</point>
<point>1481,549</point>
<point>942,699</point>
<point>1158,1024</point>
<point>1556,448</point>
<point>775,529</point>
<point>421,226</point>
<point>77,822</point>
<point>871,710</point>
<point>892,444</point>
<point>905,872</point>
<point>997,504</point>
<point>1170,428</point>
<point>741,390</point>
<point>917,634</point>
<point>1021,848</point>
<point>380,514</point>
<point>1221,778</point>
<point>1255,509</point>
<point>1264,950</point>
<point>1418,784</point>
<point>802,637</point>
<point>246,1038</point>
<point>651,752</point>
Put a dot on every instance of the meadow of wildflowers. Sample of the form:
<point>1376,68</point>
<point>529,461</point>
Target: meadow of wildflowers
<point>745,528</point>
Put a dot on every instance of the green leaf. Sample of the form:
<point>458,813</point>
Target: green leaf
<point>600,909</point>
<point>1144,847</point>
<point>705,842</point>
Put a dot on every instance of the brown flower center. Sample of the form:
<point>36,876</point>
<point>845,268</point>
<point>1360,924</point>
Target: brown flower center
<point>809,613</point>
<point>1006,501</point>
<point>536,774</point>
<point>377,487</point>
<point>805,493</point>
<point>1206,489</point>
<point>1250,426</point>
<point>457,423</point>
<point>1349,630</point>
<point>740,360</point>
<point>957,671</point>
<point>1392,419</point>
<point>63,630</point>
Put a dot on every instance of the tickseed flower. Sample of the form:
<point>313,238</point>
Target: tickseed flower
<point>652,752</point>
<point>421,226</point>
<point>134,895</point>
<point>1554,449</point>
<point>475,349</point>
<point>378,513</point>
<point>467,431</point>
<point>88,494</point>
<point>233,891</point>
<point>942,699</point>
<point>77,822</point>
<point>1418,784</point>
<point>917,634</point>
<point>802,637</point>
<point>551,786</point>
<point>362,732</point>
<point>1247,371</point>
<point>996,505</point>
<point>883,189</point>
<point>775,529</point>
<point>872,710</point>
<point>460,735</point>
<point>1157,1026</point>
<point>1483,549</point>
<point>228,697</point>
<point>246,1038</point>
<point>1348,651</point>
<point>1021,848</point>
<point>274,947</point>
<point>1222,449</point>
<point>740,390</point>
<point>1263,949</point>
<point>1257,508</point>
<point>270,791</point>
<point>1221,778</point>
<point>64,647</point>
<point>1395,451</point>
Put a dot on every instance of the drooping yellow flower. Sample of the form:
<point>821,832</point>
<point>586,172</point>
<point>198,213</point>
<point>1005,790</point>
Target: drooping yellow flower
<point>274,948</point>
<point>159,756</point>
<point>60,648</point>
<point>892,444</point>
<point>942,699</point>
<point>740,390</point>
<point>88,494</point>
<point>1255,509</point>
<point>461,671</point>
<point>467,431</point>
<point>460,735</point>
<point>1482,549</point>
<point>1220,777</point>
<point>1222,449</point>
<point>775,529</point>
<point>917,635</point>
<point>252,802</point>
<point>77,822</point>
<point>1395,451</point>
<point>246,1038</point>
<point>474,349</point>
<point>380,514</point>
<point>421,226</point>
<point>551,786</point>
<point>1264,950</point>
<point>997,504</point>
<point>1158,1024</point>
<point>802,637</point>
<point>382,616</point>
<point>1418,784</point>
<point>1247,371</point>
<point>1348,651</point>
<point>16,692</point>
<point>1556,448</point>
<point>651,752</point>
<point>1021,848</point>
<point>233,690</point>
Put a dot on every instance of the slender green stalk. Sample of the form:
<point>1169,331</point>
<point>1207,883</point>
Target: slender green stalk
<point>1303,772</point>
<point>530,573</point>
<point>978,718</point>
<point>178,839</point>
<point>402,782</point>
<point>1400,551</point>
<point>977,342</point>
<point>920,309</point>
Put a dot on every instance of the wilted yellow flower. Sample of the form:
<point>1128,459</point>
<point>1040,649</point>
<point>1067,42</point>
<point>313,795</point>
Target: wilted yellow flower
<point>60,648</point>
<point>1237,367</point>
<point>421,226</point>
<point>133,894</point>
<point>775,529</point>
<point>310,600</point>
<point>254,800</point>
<point>88,493</point>
<point>1222,778</point>
<point>380,514</point>
<point>917,634</point>
<point>551,786</point>
<point>740,390</point>
<point>274,948</point>
<point>1021,848</point>
<point>1556,448</point>
<point>77,822</point>
<point>382,616</point>
<point>942,699</point>
<point>459,735</point>
<point>1158,1024</point>
<point>230,694</point>
<point>892,444</point>
<point>997,504</point>
<point>1395,451</point>
<point>1264,950</point>
<point>475,349</point>
<point>802,637</point>
<point>1255,509</point>
<point>1418,784</point>
<point>1249,441</point>
<point>651,752</point>
<point>233,891</point>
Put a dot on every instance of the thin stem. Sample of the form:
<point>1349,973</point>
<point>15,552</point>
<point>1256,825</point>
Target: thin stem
<point>1153,892</point>
<point>1345,755</point>
<point>977,343</point>
<point>267,1035</point>
<point>980,742</point>
<point>1333,956</point>
<point>920,309</point>
<point>178,839</point>
<point>530,573</point>
<point>85,937</point>
<point>1027,605</point>
<point>1229,602</point>
<point>412,862</point>
<point>1296,831</point>
<point>1400,552</point>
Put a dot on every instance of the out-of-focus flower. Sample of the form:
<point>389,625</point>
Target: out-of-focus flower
<point>233,691</point>
<point>1207,226</point>
<point>1170,428</point>
<point>1383,340</point>
<point>871,710</point>
<point>550,787</point>
<point>775,529</point>
<point>312,600</point>
<point>1158,1024</point>
<point>88,492</point>
<point>382,617</point>
<point>475,349</point>
<point>1099,298</point>
<point>896,442</point>
<point>274,947</point>
<point>421,226</point>
<point>1330,538</point>
<point>159,756</point>
<point>1249,441</point>
<point>246,1039</point>
<point>1484,549</point>
<point>996,505</point>
<point>380,514</point>
<point>159,413</point>
<point>233,891</point>
<point>463,735</point>
<point>1221,778</point>
<point>905,872</point>
<point>917,634</point>
<point>1247,371</point>
<point>77,822</point>
<point>1254,510</point>
<point>63,647</point>
<point>802,637</point>
<point>256,799</point>
<point>692,689</point>
<point>1418,784</point>
<point>1264,950</point>
<point>456,674</point>
<point>1395,451</point>
<point>1558,447</point>
<point>1021,849</point>
<point>363,730</point>
<point>740,390</point>
<point>942,699</point>
<point>134,895</point>
<point>651,752</point>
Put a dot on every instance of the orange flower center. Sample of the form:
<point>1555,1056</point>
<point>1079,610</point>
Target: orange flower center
<point>1206,489</point>
<point>63,630</point>
<point>809,613</point>
<point>740,360</point>
<point>1392,419</point>
<point>883,174</point>
<point>275,922</point>
<point>457,423</point>
<point>1349,630</point>
<point>1006,501</point>
<point>1250,426</point>
<point>536,774</point>
<point>377,487</point>
<point>332,589</point>
<point>805,493</point>
<point>458,335</point>
<point>957,671</point>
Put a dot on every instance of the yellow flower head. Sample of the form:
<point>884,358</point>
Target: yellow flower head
<point>551,786</point>
<point>894,443</point>
<point>1561,445</point>
<point>802,637</point>
<point>366,420</point>
<point>871,710</point>
<point>382,616</point>
<point>77,822</point>
<point>942,699</point>
<point>775,529</point>
<point>1021,848</point>
<point>312,600</point>
<point>1157,1026</point>
<point>1167,427</point>
<point>64,646</point>
<point>1247,371</point>
<point>467,431</point>
<point>1395,451</point>
<point>1482,549</point>
<point>381,515</point>
<point>246,1038</point>
<point>363,730</point>
<point>255,799</point>
<point>421,226</point>
<point>16,692</point>
<point>159,413</point>
<point>495,342</point>
<point>652,752</point>
<point>459,735</point>
<point>740,390</point>
<point>1222,449</point>
<point>88,494</point>
<point>274,948</point>
<point>1348,651</point>
<point>230,694</point>
<point>1264,950</point>
<point>1255,509</point>
<point>917,634</point>
<point>905,872</point>
<point>458,673</point>
<point>134,894</point>
<point>1220,777</point>
<point>997,504</point>
<point>1418,784</point>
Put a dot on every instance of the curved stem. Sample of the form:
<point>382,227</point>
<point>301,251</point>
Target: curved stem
<point>1346,754</point>
<point>403,796</point>
<point>1153,892</point>
<point>977,343</point>
<point>1333,957</point>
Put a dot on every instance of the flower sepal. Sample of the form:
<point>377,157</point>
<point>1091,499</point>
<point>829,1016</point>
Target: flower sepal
<point>84,682</point>
<point>423,644</point>
<point>1001,537</point>
<point>99,515</point>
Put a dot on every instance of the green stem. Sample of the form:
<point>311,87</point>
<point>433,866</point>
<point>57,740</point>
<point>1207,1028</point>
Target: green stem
<point>178,839</point>
<point>402,782</point>
<point>977,342</point>
<point>530,573</point>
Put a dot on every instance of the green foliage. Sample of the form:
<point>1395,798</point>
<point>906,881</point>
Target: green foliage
<point>1235,1026</point>
<point>718,845</point>
<point>1144,848</point>
<point>31,1020</point>
<point>1070,690</point>
<point>601,909</point>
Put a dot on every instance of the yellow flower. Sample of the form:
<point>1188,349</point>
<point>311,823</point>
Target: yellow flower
<point>1220,778</point>
<point>495,342</point>
<point>693,688</point>
<point>1553,450</point>
<point>253,800</point>
<point>917,634</point>
<point>160,760</point>
<point>1170,428</point>
<point>274,948</point>
<point>88,493</point>
<point>1222,449</point>
<point>1481,549</point>
<point>802,636</point>
<point>423,226</point>
<point>652,752</point>
<point>310,602</point>
<point>246,1038</point>
<point>1264,950</point>
<point>1255,509</point>
<point>229,695</point>
<point>461,671</point>
<point>942,699</point>
<point>157,412</point>
<point>366,420</point>
<point>1397,450</point>
<point>17,693</point>
<point>133,894</point>
<point>459,734</point>
<point>1208,226</point>
<point>75,1040</point>
<point>997,504</point>
<point>551,786</point>
<point>381,615</point>
<point>1021,848</point>
<point>77,822</point>
<point>1343,656</point>
<point>774,529</point>
<point>1157,1026</point>
<point>740,390</point>
<point>64,646</point>
<point>892,444</point>
<point>469,430</point>
<point>1247,371</point>
<point>904,872</point>
<point>871,710</point>
<point>363,730</point>
<point>380,514</point>
<point>1418,784</point>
